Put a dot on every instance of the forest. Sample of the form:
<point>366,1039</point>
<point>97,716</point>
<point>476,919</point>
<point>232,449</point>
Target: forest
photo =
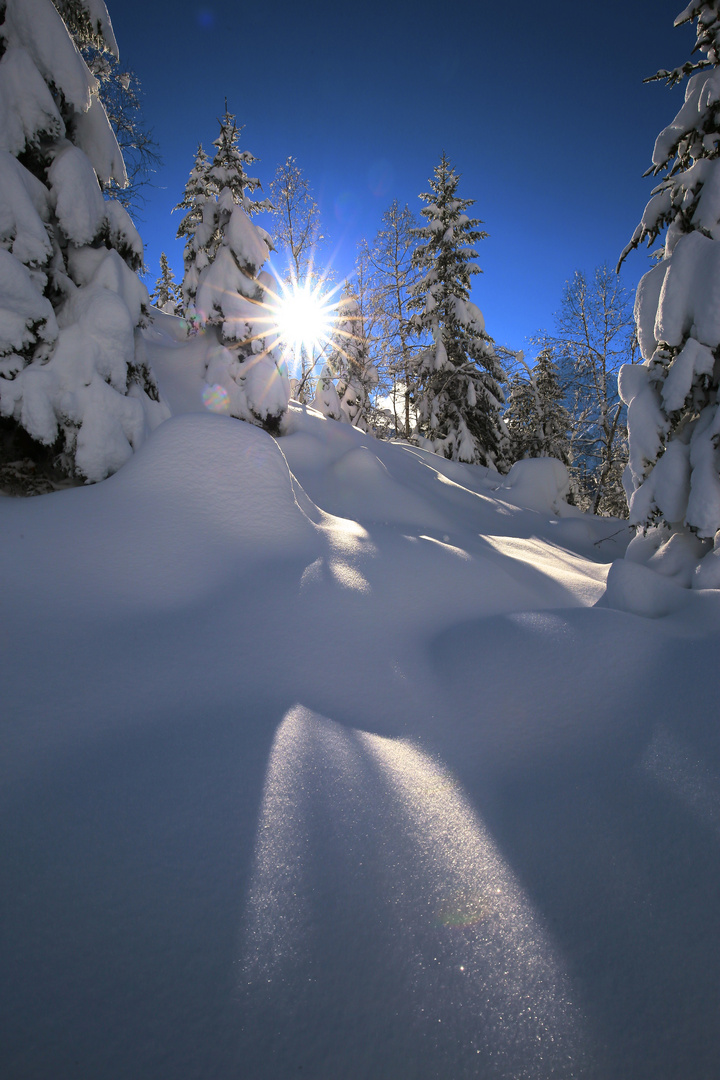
<point>356,671</point>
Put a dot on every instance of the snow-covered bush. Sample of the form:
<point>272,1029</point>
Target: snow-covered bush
<point>326,398</point>
<point>673,478</point>
<point>224,286</point>
<point>457,396</point>
<point>71,377</point>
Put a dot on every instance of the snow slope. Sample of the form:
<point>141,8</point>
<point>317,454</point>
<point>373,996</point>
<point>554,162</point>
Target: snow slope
<point>326,757</point>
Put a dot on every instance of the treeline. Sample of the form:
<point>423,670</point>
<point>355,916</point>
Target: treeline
<point>409,357</point>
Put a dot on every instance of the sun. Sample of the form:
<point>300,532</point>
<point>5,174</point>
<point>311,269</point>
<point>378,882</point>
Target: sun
<point>304,317</point>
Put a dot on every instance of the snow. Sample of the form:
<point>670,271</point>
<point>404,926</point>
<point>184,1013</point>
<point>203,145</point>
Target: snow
<point>542,484</point>
<point>22,309</point>
<point>26,104</point>
<point>326,756</point>
<point>690,297</point>
<point>23,208</point>
<point>96,138</point>
<point>79,203</point>
<point>37,27</point>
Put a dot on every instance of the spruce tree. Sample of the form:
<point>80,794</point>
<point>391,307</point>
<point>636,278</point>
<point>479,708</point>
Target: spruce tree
<point>537,420</point>
<point>199,191</point>
<point>672,397</point>
<point>73,388</point>
<point>350,361</point>
<point>166,296</point>
<point>232,292</point>
<point>457,391</point>
<point>520,417</point>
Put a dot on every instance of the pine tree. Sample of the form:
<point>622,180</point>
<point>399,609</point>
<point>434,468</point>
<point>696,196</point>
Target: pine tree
<point>73,388</point>
<point>232,292</point>
<point>672,397</point>
<point>457,392</point>
<point>166,296</point>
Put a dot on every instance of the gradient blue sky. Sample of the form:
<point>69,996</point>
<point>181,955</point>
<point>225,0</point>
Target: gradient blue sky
<point>541,108</point>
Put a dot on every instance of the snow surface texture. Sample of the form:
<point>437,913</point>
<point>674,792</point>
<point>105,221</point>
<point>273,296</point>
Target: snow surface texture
<point>327,757</point>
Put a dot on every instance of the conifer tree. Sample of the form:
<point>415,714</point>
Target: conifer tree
<point>199,191</point>
<point>672,397</point>
<point>232,292</point>
<point>536,418</point>
<point>73,387</point>
<point>166,296</point>
<point>350,361</point>
<point>457,391</point>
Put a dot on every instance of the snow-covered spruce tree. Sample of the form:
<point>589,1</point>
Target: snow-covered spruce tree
<point>457,393</point>
<point>350,361</point>
<point>199,191</point>
<point>74,388</point>
<point>537,421</point>
<point>232,297</point>
<point>166,296</point>
<point>673,414</point>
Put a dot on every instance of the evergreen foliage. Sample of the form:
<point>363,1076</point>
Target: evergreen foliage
<point>350,361</point>
<point>224,256</point>
<point>167,296</point>
<point>74,386</point>
<point>673,414</point>
<point>538,422</point>
<point>457,385</point>
<point>198,192</point>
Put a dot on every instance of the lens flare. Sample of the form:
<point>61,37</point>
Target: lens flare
<point>216,398</point>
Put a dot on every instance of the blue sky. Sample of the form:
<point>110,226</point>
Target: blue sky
<point>540,107</point>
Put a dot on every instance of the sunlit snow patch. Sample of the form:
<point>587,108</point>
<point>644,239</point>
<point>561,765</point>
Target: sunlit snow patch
<point>371,863</point>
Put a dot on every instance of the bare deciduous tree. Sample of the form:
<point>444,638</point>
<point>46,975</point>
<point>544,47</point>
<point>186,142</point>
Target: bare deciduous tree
<point>594,336</point>
<point>392,274</point>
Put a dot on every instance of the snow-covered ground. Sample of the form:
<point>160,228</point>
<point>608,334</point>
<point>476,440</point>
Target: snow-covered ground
<point>327,758</point>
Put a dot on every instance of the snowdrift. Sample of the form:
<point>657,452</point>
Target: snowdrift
<point>328,757</point>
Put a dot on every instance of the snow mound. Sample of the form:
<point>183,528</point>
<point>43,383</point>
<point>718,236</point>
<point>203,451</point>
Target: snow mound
<point>204,501</point>
<point>640,591</point>
<point>540,484</point>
